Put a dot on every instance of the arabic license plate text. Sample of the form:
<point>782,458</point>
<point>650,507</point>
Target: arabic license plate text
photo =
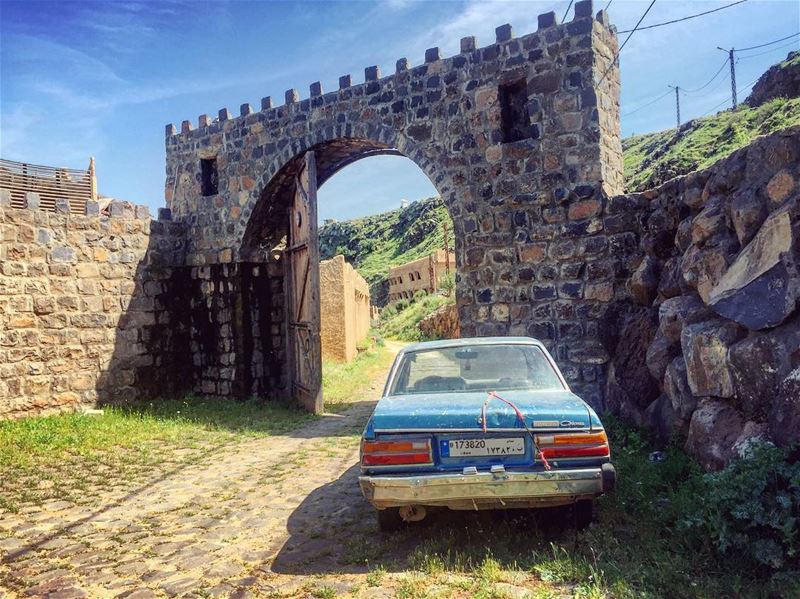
<point>486,447</point>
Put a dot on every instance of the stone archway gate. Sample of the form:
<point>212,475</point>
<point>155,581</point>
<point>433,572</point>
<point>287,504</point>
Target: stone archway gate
<point>520,138</point>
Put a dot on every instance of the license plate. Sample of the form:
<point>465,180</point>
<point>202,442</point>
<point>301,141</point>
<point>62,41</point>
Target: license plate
<point>457,448</point>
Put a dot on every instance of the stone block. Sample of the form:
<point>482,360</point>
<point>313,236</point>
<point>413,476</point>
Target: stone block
<point>266,103</point>
<point>546,20</point>
<point>432,55</point>
<point>705,348</point>
<point>5,198</point>
<point>756,291</point>
<point>468,44</point>
<point>92,208</point>
<point>675,313</point>
<point>32,200</point>
<point>504,33</point>
<point>714,429</point>
<point>676,387</point>
<point>372,73</point>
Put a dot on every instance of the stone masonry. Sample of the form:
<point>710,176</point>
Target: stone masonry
<point>345,307</point>
<point>521,139</point>
<point>86,306</point>
<point>708,343</point>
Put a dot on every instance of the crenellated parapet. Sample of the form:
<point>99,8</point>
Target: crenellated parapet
<point>535,44</point>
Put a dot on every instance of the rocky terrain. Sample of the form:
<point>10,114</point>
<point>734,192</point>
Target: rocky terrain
<point>782,80</point>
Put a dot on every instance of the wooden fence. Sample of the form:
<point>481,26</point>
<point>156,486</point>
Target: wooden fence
<point>51,183</point>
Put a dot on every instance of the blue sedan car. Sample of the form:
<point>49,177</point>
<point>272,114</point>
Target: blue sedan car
<point>487,423</point>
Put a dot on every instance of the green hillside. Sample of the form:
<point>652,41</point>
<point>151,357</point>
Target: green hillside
<point>374,243</point>
<point>654,158</point>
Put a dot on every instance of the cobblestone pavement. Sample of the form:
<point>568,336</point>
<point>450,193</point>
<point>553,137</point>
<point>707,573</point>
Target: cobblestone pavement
<point>245,520</point>
<point>280,516</point>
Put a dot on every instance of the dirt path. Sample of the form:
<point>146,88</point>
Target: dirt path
<point>249,519</point>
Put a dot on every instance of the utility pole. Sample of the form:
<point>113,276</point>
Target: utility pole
<point>733,73</point>
<point>446,248</point>
<point>677,105</point>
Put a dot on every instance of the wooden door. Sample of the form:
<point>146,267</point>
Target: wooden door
<point>304,308</point>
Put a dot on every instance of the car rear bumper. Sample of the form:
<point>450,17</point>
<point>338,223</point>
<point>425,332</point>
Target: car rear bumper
<point>488,490</point>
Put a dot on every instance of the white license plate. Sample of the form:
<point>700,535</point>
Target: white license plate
<point>458,448</point>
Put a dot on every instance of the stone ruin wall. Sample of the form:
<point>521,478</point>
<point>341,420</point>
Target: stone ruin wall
<point>708,344</point>
<point>86,306</point>
<point>345,309</point>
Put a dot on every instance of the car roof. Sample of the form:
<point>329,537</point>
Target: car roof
<point>471,341</point>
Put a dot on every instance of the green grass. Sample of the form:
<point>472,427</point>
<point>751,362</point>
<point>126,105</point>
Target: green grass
<point>399,319</point>
<point>654,158</point>
<point>57,457</point>
<point>639,546</point>
<point>344,383</point>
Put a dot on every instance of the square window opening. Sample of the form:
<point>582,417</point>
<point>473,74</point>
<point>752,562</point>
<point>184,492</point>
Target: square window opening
<point>514,118</point>
<point>209,179</point>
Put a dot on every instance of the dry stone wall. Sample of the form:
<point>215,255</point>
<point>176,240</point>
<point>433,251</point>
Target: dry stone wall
<point>85,306</point>
<point>707,344</point>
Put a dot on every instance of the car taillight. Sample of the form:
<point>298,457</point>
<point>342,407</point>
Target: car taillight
<point>389,453</point>
<point>573,445</point>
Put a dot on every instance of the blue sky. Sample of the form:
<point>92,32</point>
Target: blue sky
<point>103,78</point>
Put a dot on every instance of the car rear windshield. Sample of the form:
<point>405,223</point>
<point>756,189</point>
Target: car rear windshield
<point>475,368</point>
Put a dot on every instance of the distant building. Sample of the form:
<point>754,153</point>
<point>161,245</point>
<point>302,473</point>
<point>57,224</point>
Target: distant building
<point>425,274</point>
<point>403,203</point>
<point>344,308</point>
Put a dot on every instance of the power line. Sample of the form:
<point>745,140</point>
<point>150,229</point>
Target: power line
<point>630,34</point>
<point>767,44</point>
<point>566,12</point>
<point>648,104</point>
<point>765,51</point>
<point>741,89</point>
<point>700,14</point>
<point>702,87</point>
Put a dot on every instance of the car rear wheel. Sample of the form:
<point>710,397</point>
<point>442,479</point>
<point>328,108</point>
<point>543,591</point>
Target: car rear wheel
<point>583,513</point>
<point>389,519</point>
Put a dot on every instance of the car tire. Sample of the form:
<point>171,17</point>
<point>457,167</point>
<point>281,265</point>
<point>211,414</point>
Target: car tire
<point>389,519</point>
<point>583,513</point>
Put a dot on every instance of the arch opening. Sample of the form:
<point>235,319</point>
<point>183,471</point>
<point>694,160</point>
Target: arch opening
<point>296,336</point>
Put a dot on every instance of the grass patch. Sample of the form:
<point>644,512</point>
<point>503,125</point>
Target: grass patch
<point>654,158</point>
<point>56,457</point>
<point>670,530</point>
<point>345,383</point>
<point>400,319</point>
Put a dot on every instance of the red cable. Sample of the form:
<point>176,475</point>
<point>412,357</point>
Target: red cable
<point>521,418</point>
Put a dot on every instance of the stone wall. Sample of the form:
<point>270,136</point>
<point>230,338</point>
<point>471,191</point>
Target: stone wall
<point>707,343</point>
<point>520,138</point>
<point>345,309</point>
<point>441,324</point>
<point>85,306</point>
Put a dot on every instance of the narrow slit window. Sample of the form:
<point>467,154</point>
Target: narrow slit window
<point>209,177</point>
<point>514,118</point>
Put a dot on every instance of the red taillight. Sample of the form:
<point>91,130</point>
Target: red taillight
<point>389,453</point>
<point>573,445</point>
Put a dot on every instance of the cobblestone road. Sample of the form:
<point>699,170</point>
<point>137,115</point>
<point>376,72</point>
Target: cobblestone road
<point>250,519</point>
